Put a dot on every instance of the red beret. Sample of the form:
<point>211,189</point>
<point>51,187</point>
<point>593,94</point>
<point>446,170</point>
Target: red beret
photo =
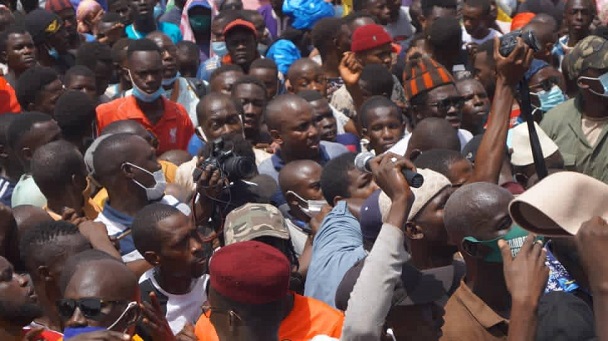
<point>250,272</point>
<point>369,37</point>
<point>521,20</point>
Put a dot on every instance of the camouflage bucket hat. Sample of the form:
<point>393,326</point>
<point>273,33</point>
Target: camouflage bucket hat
<point>252,221</point>
<point>589,53</point>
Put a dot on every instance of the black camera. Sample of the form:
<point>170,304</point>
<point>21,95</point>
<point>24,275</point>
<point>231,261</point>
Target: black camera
<point>232,166</point>
<point>509,41</point>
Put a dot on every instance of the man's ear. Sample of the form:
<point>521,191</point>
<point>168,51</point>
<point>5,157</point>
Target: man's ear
<point>79,181</point>
<point>44,273</point>
<point>127,170</point>
<point>152,258</point>
<point>27,153</point>
<point>288,86</point>
<point>276,136</point>
<point>337,199</point>
<point>581,84</point>
<point>413,231</point>
<point>291,199</point>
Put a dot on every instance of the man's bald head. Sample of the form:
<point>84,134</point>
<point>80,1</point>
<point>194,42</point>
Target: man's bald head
<point>473,210</point>
<point>433,133</point>
<point>113,152</point>
<point>213,102</point>
<point>295,172</point>
<point>300,66</point>
<point>158,35</point>
<point>284,107</point>
<point>545,32</point>
<point>97,271</point>
<point>124,126</point>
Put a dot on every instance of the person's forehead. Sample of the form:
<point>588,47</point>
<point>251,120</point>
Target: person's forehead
<point>440,12</point>
<point>142,60</point>
<point>321,105</point>
<point>380,49</point>
<point>231,76</point>
<point>578,4</point>
<point>376,3</point>
<point>469,87</point>
<point>97,279</point>
<point>175,225</point>
<point>219,106</point>
<point>443,91</point>
<point>262,72</point>
<point>53,86</point>
<point>308,70</point>
<point>161,40</point>
<point>296,113</point>
<point>18,37</point>
<point>248,90</point>
<point>362,21</point>
<point>382,113</point>
<point>79,79</point>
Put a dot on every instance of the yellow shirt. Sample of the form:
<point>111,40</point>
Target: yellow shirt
<point>168,168</point>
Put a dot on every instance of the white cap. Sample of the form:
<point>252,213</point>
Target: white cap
<point>520,142</point>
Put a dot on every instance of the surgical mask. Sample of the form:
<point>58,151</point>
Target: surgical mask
<point>219,48</point>
<point>550,99</point>
<point>160,183</point>
<point>338,11</point>
<point>144,96</point>
<point>603,79</point>
<point>200,23</point>
<point>515,239</point>
<point>310,207</point>
<point>170,81</point>
<point>262,49</point>
<point>71,332</point>
<point>52,52</point>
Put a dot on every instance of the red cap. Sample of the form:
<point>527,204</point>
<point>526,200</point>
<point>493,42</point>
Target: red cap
<point>250,272</point>
<point>369,37</point>
<point>521,20</point>
<point>240,23</point>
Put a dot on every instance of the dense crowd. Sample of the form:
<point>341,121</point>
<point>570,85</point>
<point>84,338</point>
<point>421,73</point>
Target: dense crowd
<point>294,170</point>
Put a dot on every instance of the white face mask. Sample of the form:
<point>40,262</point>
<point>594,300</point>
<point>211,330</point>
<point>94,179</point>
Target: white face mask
<point>160,183</point>
<point>310,207</point>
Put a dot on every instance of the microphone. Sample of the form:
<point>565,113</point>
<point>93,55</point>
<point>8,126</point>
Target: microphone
<point>362,164</point>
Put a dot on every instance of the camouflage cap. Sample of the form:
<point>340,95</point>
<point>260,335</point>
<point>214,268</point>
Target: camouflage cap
<point>252,221</point>
<point>589,53</point>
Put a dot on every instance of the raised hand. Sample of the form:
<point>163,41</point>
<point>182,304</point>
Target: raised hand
<point>350,69</point>
<point>511,69</point>
<point>155,321</point>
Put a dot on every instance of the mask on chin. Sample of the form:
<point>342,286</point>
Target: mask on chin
<point>515,239</point>
<point>144,96</point>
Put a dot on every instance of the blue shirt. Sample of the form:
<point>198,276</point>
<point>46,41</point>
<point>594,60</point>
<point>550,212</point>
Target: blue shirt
<point>171,30</point>
<point>336,248</point>
<point>195,145</point>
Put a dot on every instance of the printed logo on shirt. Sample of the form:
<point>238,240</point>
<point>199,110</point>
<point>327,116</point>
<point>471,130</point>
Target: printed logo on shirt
<point>173,135</point>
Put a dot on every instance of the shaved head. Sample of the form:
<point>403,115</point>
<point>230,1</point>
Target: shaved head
<point>295,172</point>
<point>473,210</point>
<point>433,133</point>
<point>299,66</point>
<point>282,108</point>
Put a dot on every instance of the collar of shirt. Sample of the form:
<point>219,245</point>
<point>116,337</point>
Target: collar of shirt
<point>278,163</point>
<point>479,310</point>
<point>114,215</point>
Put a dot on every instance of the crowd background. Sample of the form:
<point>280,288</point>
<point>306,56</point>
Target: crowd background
<point>246,170</point>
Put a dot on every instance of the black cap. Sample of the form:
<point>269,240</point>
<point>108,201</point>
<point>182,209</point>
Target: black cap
<point>563,316</point>
<point>41,24</point>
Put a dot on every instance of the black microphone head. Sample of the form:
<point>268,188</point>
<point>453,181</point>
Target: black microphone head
<point>416,181</point>
<point>361,161</point>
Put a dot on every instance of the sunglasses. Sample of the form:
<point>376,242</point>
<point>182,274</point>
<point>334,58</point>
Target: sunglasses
<point>446,104</point>
<point>90,307</point>
<point>546,84</point>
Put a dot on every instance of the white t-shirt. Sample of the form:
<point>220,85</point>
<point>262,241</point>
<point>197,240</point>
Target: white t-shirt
<point>400,147</point>
<point>180,308</point>
<point>466,38</point>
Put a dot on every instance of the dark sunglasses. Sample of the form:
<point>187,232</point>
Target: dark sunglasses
<point>90,307</point>
<point>547,84</point>
<point>446,104</point>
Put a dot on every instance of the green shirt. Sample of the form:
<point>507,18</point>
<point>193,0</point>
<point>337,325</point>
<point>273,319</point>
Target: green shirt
<point>563,125</point>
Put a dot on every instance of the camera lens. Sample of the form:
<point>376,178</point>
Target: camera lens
<point>239,167</point>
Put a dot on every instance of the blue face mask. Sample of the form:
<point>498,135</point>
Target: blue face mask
<point>70,332</point>
<point>219,48</point>
<point>550,99</point>
<point>144,96</point>
<point>262,49</point>
<point>603,79</point>
<point>200,23</point>
<point>338,11</point>
<point>53,52</point>
<point>170,81</point>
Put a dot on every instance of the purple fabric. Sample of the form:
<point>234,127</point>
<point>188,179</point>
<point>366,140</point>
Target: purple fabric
<point>271,22</point>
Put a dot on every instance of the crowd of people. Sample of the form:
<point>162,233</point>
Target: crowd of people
<point>245,170</point>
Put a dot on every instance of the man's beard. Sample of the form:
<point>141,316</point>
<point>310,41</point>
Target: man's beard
<point>19,315</point>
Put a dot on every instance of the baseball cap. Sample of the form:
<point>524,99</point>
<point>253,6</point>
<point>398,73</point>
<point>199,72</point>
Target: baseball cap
<point>589,53</point>
<point>415,286</point>
<point>41,24</point>
<point>369,37</point>
<point>553,207</point>
<point>250,272</point>
<point>434,183</point>
<point>252,221</point>
<point>242,24</point>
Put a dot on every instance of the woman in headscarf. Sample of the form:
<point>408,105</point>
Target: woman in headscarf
<point>88,14</point>
<point>196,25</point>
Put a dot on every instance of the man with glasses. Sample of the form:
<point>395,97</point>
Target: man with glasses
<point>170,241</point>
<point>431,92</point>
